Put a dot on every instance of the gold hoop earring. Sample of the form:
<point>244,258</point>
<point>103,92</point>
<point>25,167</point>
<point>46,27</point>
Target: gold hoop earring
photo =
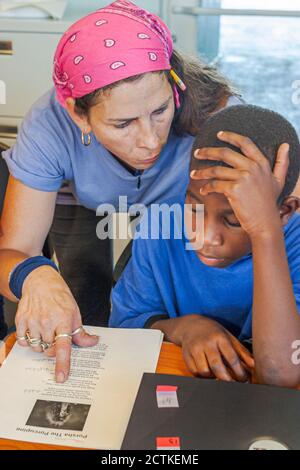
<point>86,139</point>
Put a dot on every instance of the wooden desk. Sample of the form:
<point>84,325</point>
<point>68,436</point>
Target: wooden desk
<point>170,362</point>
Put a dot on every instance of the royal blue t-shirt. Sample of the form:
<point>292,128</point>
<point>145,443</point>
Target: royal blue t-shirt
<point>163,278</point>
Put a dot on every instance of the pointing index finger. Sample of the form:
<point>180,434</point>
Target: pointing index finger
<point>63,359</point>
<point>63,348</point>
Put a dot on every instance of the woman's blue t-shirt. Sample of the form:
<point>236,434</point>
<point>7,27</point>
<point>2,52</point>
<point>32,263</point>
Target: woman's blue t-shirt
<point>49,151</point>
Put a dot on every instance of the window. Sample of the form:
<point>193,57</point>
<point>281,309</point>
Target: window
<point>261,55</point>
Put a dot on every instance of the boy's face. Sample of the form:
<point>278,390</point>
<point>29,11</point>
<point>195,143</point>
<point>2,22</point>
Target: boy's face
<point>224,240</point>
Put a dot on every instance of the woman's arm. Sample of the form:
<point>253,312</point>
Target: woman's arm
<point>47,307</point>
<point>25,222</point>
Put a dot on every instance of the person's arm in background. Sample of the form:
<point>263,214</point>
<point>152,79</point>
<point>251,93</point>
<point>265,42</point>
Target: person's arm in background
<point>47,307</point>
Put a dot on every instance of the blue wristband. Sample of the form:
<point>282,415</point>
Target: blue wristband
<point>22,270</point>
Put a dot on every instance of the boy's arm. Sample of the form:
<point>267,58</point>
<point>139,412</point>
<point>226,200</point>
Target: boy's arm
<point>276,320</point>
<point>208,349</point>
<point>139,301</point>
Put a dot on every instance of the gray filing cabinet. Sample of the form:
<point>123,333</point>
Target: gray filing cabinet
<point>26,55</point>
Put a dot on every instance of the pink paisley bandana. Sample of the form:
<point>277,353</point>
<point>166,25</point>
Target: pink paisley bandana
<point>111,44</point>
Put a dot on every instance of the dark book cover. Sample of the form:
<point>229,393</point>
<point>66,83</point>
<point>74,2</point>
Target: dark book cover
<point>214,415</point>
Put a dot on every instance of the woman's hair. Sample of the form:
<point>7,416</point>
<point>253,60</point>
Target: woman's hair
<point>207,90</point>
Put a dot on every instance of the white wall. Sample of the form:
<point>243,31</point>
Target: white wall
<point>79,8</point>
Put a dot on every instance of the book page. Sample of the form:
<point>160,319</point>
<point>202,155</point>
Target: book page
<point>93,407</point>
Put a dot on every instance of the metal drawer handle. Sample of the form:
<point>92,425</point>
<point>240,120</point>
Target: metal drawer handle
<point>8,132</point>
<point>197,11</point>
<point>6,48</point>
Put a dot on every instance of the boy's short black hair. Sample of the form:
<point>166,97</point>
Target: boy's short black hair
<point>267,129</point>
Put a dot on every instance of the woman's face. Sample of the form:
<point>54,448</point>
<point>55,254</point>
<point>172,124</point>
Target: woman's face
<point>133,120</point>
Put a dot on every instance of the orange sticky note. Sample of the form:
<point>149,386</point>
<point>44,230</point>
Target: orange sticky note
<point>168,443</point>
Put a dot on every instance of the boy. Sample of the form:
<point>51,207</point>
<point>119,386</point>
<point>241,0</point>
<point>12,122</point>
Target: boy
<point>244,282</point>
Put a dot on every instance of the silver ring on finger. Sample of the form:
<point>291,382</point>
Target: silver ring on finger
<point>45,345</point>
<point>35,343</point>
<point>32,341</point>
<point>21,338</point>
<point>78,330</point>
<point>63,335</point>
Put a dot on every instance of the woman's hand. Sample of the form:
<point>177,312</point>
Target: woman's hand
<point>209,350</point>
<point>250,186</point>
<point>47,309</point>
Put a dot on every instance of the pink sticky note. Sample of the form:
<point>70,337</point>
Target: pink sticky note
<point>166,388</point>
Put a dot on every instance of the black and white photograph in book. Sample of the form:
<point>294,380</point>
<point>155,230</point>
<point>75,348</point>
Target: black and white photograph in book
<point>58,415</point>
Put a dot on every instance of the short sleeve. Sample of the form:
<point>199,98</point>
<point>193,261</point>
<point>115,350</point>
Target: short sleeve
<point>37,158</point>
<point>294,265</point>
<point>138,297</point>
<point>292,244</point>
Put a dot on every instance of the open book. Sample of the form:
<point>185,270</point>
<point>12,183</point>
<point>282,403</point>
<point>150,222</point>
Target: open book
<point>92,409</point>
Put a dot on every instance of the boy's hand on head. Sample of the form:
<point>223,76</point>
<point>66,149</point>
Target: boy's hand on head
<point>209,350</point>
<point>250,186</point>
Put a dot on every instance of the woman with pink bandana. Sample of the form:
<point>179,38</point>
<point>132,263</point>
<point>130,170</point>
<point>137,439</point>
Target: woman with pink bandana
<point>120,122</point>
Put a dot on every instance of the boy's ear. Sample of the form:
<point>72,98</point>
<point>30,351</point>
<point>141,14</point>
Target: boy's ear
<point>288,208</point>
